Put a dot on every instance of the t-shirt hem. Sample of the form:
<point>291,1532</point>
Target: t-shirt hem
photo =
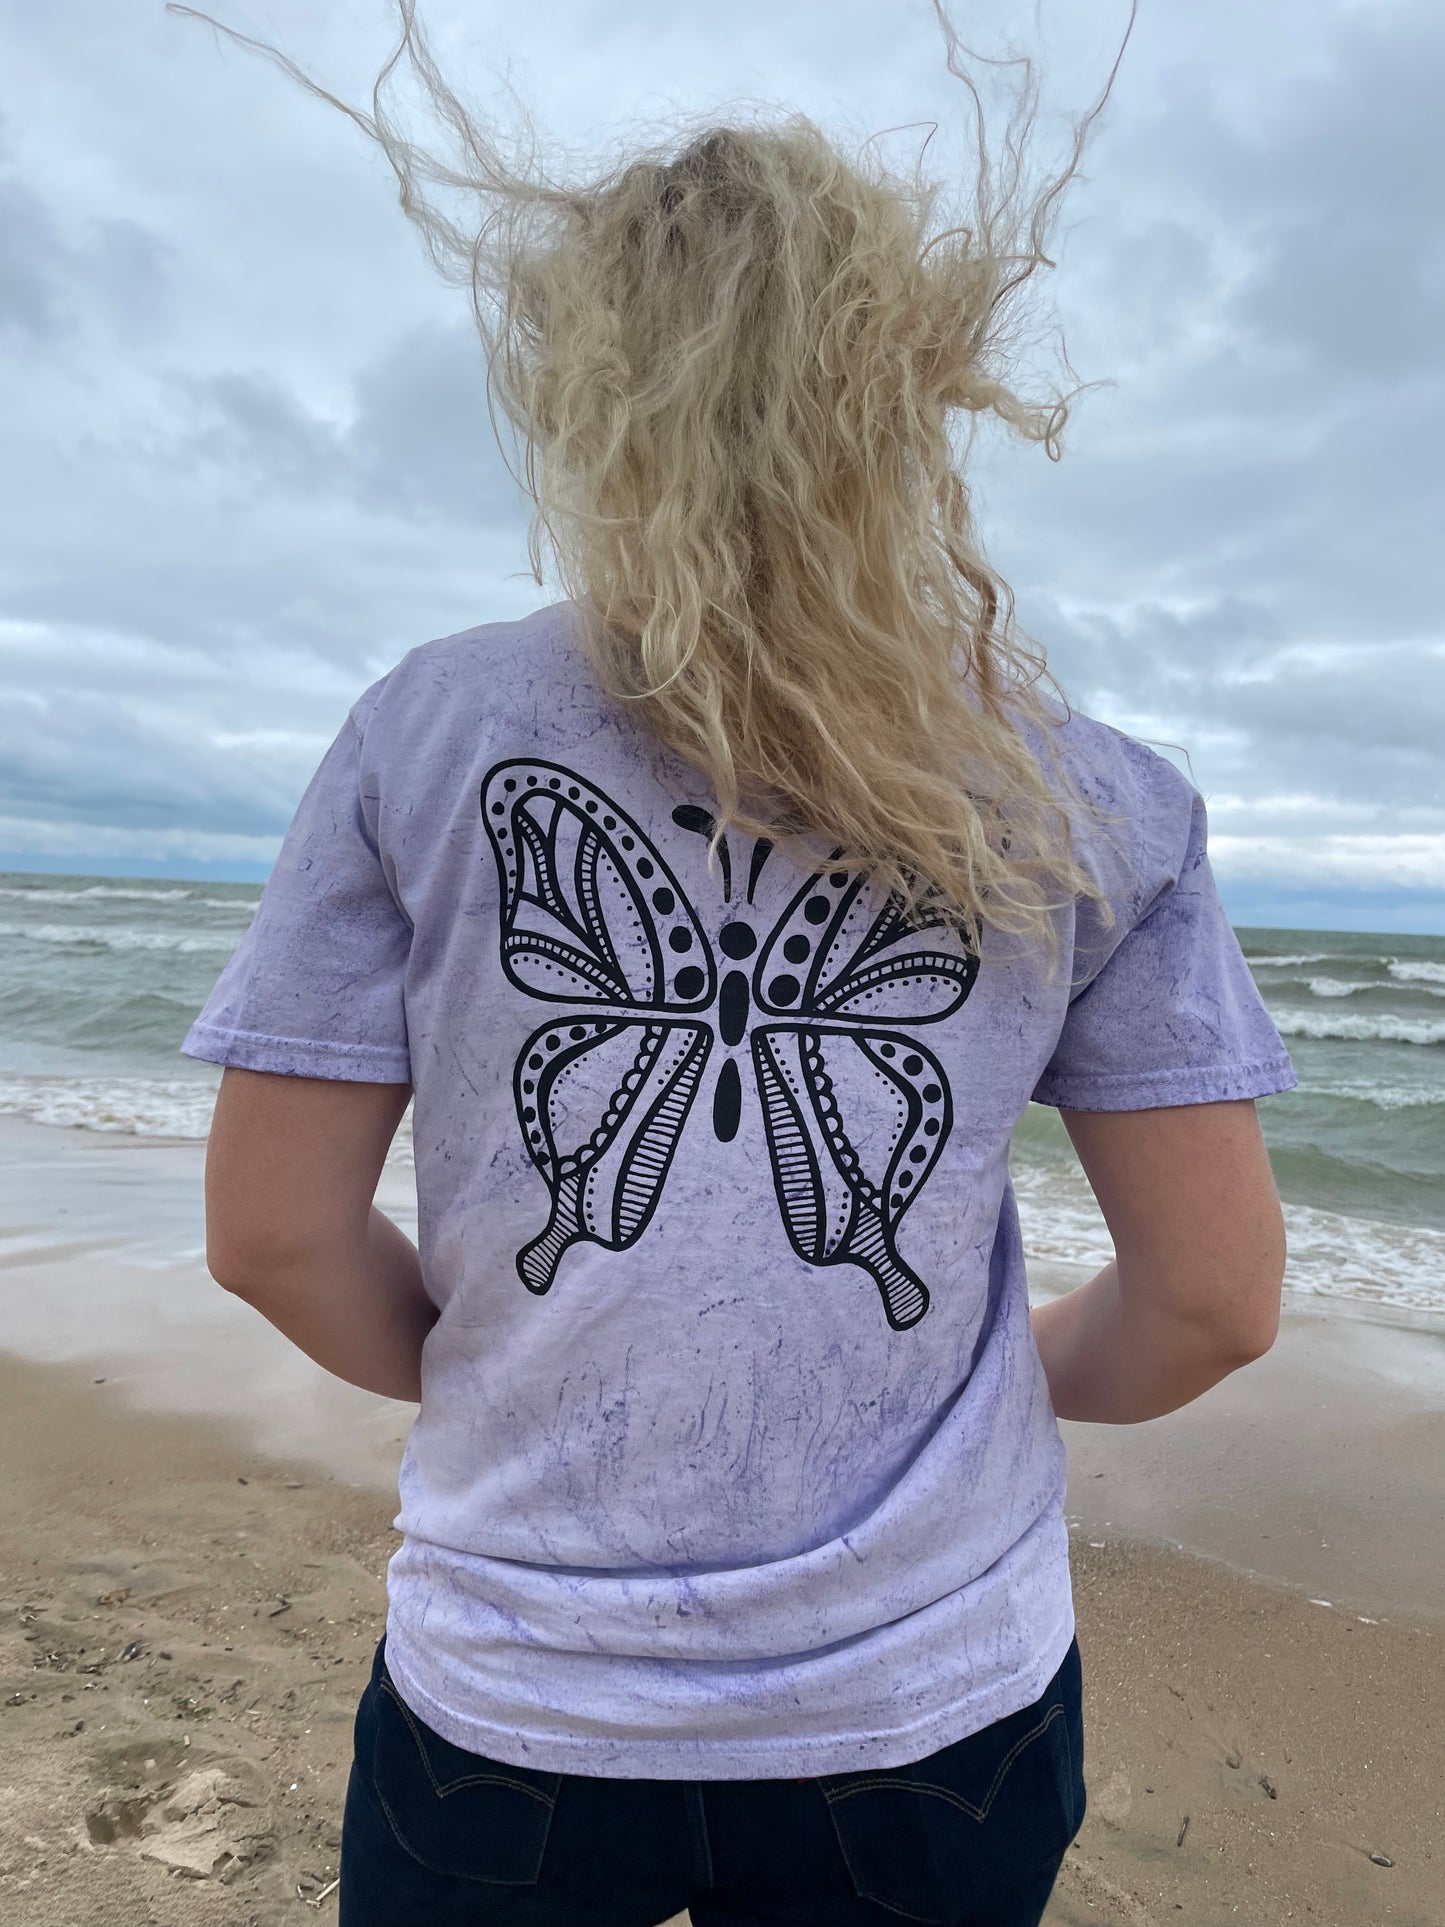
<point>1148,1090</point>
<point>297,1056</point>
<point>699,1756</point>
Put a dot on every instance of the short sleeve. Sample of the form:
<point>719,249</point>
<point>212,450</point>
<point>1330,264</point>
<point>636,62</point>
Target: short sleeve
<point>315,988</point>
<point>1174,1015</point>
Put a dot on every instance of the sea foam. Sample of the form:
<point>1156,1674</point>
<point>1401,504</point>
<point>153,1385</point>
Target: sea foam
<point>1330,1255</point>
<point>1351,1027</point>
<point>1416,970</point>
<point>170,1107</point>
<point>97,892</point>
<point>74,935</point>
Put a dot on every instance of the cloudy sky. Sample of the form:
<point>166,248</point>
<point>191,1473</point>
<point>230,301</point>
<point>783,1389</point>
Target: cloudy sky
<point>245,464</point>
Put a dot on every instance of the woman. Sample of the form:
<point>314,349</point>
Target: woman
<point>721,919</point>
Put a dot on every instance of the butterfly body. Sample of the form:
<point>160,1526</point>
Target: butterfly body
<point>855,1112</point>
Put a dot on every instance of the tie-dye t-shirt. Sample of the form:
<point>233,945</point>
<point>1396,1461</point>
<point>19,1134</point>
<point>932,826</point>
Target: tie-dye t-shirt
<point>735,1457</point>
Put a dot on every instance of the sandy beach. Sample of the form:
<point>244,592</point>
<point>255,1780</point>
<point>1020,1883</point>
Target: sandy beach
<point>196,1525</point>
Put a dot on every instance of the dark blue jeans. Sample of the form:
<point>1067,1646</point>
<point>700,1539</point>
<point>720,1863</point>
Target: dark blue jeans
<point>972,1836</point>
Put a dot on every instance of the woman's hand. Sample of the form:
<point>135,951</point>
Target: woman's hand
<point>291,1169</point>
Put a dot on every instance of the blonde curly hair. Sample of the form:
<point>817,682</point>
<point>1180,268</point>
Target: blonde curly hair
<point>733,362</point>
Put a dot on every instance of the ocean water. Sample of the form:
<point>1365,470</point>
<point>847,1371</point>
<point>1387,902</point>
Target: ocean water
<point>100,978</point>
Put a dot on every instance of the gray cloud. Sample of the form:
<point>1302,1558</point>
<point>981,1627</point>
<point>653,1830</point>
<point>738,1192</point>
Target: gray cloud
<point>421,443</point>
<point>1239,544</point>
<point>247,460</point>
<point>33,264</point>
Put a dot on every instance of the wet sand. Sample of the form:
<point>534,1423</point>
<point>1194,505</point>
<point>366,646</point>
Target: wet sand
<point>189,1602</point>
<point>102,1267</point>
<point>1321,1466</point>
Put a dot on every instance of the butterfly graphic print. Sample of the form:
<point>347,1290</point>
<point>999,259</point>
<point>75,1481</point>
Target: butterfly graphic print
<point>595,923</point>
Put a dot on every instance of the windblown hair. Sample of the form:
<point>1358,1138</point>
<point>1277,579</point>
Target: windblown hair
<point>733,363</point>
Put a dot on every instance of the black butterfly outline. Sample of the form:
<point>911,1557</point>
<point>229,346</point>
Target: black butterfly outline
<point>592,914</point>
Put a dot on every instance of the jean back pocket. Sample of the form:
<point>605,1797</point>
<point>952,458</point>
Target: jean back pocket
<point>454,1812</point>
<point>963,1829</point>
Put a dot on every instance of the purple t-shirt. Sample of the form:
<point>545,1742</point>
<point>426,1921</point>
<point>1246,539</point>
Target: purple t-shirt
<point>735,1458</point>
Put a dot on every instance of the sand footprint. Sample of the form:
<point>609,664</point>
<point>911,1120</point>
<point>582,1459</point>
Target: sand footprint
<point>209,1824</point>
<point>1114,1800</point>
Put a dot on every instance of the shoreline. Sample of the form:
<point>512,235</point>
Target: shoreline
<point>1051,1277</point>
<point>1047,1276</point>
<point>186,1624</point>
<point>102,1271</point>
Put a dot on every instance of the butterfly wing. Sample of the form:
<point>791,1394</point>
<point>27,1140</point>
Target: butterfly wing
<point>855,1119</point>
<point>592,915</point>
<point>602,1102</point>
<point>856,1115</point>
<point>590,911</point>
<point>834,953</point>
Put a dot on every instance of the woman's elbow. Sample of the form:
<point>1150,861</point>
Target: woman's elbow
<point>234,1270</point>
<point>1257,1320</point>
<point>1255,1342</point>
<point>250,1261</point>
<point>1231,1297</point>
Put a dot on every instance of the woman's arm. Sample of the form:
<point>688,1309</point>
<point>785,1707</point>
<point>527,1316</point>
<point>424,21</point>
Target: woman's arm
<point>1193,1291</point>
<point>291,1170</point>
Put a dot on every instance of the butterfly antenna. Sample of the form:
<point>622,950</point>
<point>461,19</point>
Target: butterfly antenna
<point>689,816</point>
<point>762,850</point>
